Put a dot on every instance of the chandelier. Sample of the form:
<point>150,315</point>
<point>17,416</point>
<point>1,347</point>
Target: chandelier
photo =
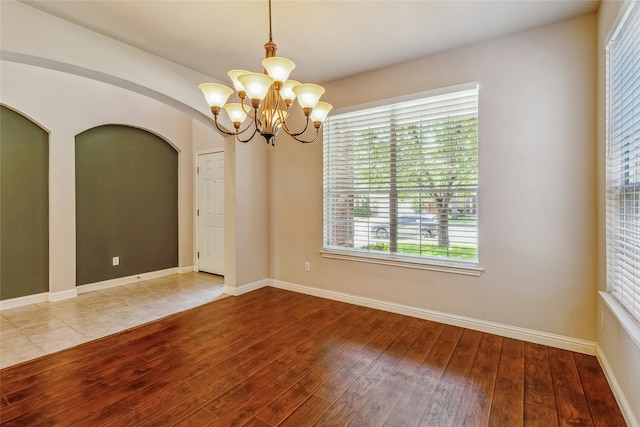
<point>266,98</point>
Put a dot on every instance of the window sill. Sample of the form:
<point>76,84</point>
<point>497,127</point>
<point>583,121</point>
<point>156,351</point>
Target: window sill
<point>461,267</point>
<point>625,318</point>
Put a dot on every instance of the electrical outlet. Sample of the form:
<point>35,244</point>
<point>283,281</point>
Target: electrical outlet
<point>116,260</point>
<point>307,266</point>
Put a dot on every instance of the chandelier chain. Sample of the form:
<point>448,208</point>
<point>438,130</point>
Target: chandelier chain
<point>270,33</point>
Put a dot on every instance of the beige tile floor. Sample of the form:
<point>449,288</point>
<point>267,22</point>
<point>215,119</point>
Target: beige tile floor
<point>34,330</point>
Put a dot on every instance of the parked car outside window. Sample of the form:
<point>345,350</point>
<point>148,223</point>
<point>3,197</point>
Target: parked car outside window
<point>409,226</point>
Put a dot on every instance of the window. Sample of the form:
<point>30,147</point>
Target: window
<point>623,161</point>
<point>401,180</point>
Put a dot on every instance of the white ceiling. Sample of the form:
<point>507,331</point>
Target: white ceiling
<point>327,40</point>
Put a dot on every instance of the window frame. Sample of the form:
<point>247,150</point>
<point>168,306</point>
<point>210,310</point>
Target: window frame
<point>629,319</point>
<point>448,265</point>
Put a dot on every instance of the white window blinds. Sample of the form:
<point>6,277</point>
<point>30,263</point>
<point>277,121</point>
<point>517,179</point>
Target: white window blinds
<point>623,161</point>
<point>402,179</point>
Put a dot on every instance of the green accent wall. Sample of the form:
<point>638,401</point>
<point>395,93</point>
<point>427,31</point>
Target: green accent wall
<point>24,206</point>
<point>126,203</point>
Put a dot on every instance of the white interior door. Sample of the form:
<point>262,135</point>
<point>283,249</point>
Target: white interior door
<point>210,212</point>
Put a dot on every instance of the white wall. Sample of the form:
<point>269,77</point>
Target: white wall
<point>537,179</point>
<point>617,347</point>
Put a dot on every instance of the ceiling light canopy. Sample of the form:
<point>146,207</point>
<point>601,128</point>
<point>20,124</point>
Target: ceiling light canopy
<point>266,98</point>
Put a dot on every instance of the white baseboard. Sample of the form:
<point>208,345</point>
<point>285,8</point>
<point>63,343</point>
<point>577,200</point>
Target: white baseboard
<point>623,403</point>
<point>26,300</point>
<point>531,335</point>
<point>59,296</point>
<point>246,288</point>
<point>105,284</point>
<point>187,269</point>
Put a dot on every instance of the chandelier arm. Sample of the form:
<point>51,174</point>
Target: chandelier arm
<point>257,122</point>
<point>248,110</point>
<point>306,141</point>
<point>280,116</point>
<point>238,132</point>
<point>255,130</point>
<point>222,128</point>
<point>294,134</point>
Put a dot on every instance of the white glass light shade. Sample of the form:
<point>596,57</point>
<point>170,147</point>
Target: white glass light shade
<point>256,85</point>
<point>308,94</point>
<point>320,111</point>
<point>278,68</point>
<point>233,75</point>
<point>287,90</point>
<point>235,111</point>
<point>215,93</point>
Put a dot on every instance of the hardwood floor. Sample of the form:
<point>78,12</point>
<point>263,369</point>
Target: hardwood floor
<point>272,357</point>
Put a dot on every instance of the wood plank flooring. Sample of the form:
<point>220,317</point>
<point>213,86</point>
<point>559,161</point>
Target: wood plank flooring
<point>277,358</point>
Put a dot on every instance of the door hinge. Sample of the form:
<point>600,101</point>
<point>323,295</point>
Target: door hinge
<point>198,254</point>
<point>198,169</point>
<point>197,212</point>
